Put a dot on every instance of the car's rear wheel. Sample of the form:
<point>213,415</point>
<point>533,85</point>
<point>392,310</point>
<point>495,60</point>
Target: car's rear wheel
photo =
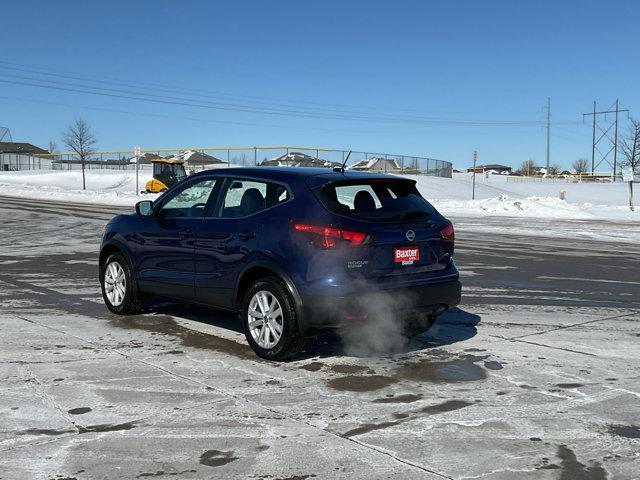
<point>118,289</point>
<point>270,320</point>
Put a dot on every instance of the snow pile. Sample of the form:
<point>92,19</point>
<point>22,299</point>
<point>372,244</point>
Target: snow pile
<point>460,188</point>
<point>534,207</point>
<point>497,197</point>
<point>106,187</point>
<point>502,205</point>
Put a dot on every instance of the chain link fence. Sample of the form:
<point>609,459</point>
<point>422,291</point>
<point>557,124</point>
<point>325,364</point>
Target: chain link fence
<point>197,159</point>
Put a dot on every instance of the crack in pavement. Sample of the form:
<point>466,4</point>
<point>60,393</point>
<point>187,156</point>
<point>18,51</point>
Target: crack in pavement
<point>40,392</point>
<point>543,345</point>
<point>52,362</point>
<point>563,327</point>
<point>81,430</point>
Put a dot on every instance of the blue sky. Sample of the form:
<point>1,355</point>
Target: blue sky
<point>437,79</point>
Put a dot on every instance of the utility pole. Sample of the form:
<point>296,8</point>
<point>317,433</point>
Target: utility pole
<point>593,140</point>
<point>473,188</point>
<point>615,144</point>
<point>548,133</point>
<point>605,134</point>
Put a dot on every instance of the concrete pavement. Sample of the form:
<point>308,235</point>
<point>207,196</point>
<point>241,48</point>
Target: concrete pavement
<point>535,376</point>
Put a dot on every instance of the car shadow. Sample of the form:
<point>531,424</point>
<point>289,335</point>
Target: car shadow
<point>453,326</point>
<point>209,316</point>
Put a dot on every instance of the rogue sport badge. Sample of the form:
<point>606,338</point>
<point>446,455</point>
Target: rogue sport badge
<point>411,235</point>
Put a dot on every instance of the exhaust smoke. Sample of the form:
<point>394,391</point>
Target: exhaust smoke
<point>378,325</point>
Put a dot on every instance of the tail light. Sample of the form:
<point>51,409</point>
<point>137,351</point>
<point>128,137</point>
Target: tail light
<point>330,237</point>
<point>447,232</point>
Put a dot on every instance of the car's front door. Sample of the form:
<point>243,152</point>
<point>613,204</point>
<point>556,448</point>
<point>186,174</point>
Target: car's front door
<point>165,247</point>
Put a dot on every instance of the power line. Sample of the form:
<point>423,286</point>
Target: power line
<point>179,101</point>
<point>205,120</point>
<point>216,94</point>
<point>244,108</point>
<point>264,125</point>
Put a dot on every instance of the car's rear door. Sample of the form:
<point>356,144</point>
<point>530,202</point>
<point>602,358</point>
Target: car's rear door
<point>231,236</point>
<point>165,241</point>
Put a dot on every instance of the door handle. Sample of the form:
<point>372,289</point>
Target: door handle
<point>247,235</point>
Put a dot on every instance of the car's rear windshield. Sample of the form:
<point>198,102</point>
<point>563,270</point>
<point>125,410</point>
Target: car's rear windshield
<point>376,199</point>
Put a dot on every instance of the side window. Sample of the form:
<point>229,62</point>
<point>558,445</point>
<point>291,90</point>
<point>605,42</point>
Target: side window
<point>190,202</point>
<point>243,198</point>
<point>280,194</point>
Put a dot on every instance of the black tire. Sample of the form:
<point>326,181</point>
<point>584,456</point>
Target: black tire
<point>419,324</point>
<point>291,340</point>
<point>133,300</point>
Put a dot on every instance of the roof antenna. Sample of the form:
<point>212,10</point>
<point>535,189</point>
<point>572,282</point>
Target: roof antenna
<point>341,168</point>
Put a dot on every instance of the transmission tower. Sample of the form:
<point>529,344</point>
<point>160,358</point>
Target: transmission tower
<point>5,135</point>
<point>604,146</point>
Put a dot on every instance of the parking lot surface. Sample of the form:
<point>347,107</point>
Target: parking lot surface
<point>535,376</point>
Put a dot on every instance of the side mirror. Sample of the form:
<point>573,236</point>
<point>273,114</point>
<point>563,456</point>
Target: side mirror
<point>144,208</point>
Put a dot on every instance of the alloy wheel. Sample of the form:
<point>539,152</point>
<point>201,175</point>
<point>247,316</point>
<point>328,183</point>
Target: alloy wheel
<point>265,319</point>
<point>115,283</point>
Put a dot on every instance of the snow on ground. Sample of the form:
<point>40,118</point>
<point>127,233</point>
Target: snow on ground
<point>106,187</point>
<point>495,195</point>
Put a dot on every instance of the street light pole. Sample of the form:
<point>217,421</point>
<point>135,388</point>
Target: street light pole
<point>136,151</point>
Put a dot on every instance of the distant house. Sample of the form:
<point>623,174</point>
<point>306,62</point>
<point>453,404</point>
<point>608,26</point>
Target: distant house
<point>376,164</point>
<point>192,159</point>
<point>145,158</point>
<point>494,167</point>
<point>21,156</point>
<point>298,159</point>
<point>198,159</point>
<point>22,148</point>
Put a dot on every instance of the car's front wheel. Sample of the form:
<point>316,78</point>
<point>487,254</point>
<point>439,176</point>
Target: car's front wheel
<point>118,289</point>
<point>270,320</point>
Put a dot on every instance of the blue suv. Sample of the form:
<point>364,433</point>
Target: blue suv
<point>291,249</point>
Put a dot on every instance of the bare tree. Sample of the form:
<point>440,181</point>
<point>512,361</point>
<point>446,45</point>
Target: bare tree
<point>630,146</point>
<point>79,138</point>
<point>526,168</point>
<point>242,160</point>
<point>53,147</point>
<point>581,165</point>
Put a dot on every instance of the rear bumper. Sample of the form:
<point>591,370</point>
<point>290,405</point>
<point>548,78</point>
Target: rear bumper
<point>332,311</point>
